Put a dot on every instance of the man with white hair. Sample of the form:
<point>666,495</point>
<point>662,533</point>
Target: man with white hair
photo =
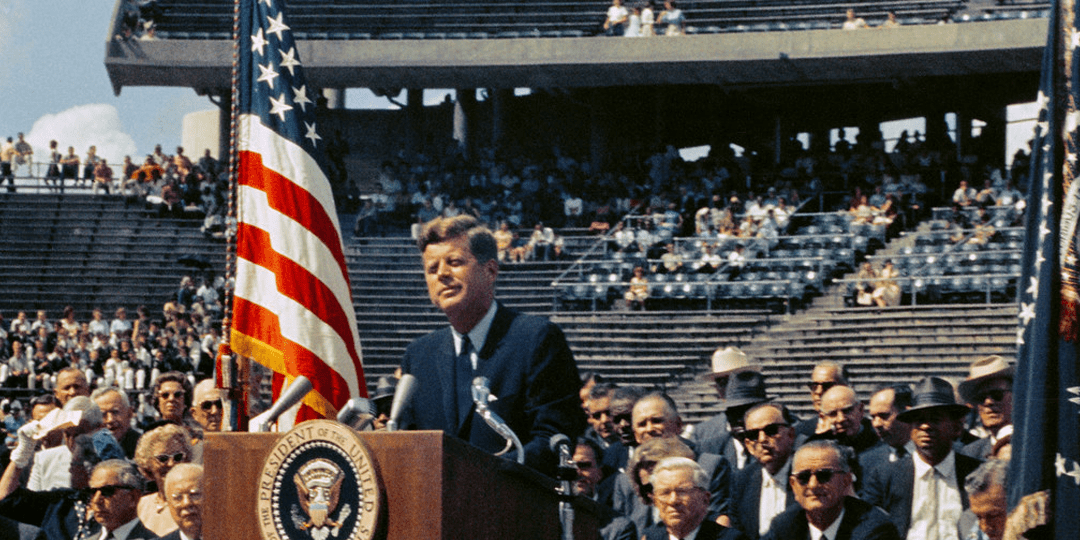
<point>51,468</point>
<point>207,406</point>
<point>184,495</point>
<point>116,415</point>
<point>680,493</point>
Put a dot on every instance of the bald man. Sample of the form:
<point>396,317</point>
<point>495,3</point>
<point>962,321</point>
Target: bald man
<point>844,418</point>
<point>184,495</point>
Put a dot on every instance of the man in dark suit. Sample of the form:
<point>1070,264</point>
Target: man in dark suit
<point>824,376</point>
<point>886,404</point>
<point>591,484</point>
<point>822,481</point>
<point>681,495</point>
<point>923,493</point>
<point>715,435</point>
<point>115,487</point>
<point>526,359</point>
<point>988,389</point>
<point>843,416</point>
<point>761,490</point>
<point>184,495</point>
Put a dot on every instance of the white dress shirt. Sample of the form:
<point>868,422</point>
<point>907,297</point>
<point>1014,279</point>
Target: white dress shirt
<point>773,496</point>
<point>830,532</point>
<point>478,334</point>
<point>121,532</point>
<point>935,504</point>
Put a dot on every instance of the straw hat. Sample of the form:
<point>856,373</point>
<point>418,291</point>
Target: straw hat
<point>728,361</point>
<point>984,370</point>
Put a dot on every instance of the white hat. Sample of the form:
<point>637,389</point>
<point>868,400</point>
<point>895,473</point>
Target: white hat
<point>730,360</point>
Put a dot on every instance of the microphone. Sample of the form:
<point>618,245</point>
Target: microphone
<point>560,444</point>
<point>290,396</point>
<point>481,394</point>
<point>403,394</point>
<point>567,471</point>
<point>357,413</point>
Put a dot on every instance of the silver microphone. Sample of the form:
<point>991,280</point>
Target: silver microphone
<point>406,387</point>
<point>290,396</point>
<point>357,413</point>
<point>481,394</point>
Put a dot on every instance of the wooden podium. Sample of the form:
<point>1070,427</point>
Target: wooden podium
<point>434,487</point>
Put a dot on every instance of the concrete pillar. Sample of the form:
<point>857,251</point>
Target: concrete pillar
<point>335,98</point>
<point>778,140</point>
<point>464,108</point>
<point>224,127</point>
<point>598,137</point>
<point>414,115</point>
<point>963,133</point>
<point>500,103</point>
<point>994,136</point>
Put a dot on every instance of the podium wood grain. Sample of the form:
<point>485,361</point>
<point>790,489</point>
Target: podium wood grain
<point>434,487</point>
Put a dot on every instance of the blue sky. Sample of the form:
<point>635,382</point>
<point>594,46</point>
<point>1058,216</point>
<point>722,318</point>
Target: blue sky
<point>53,85</point>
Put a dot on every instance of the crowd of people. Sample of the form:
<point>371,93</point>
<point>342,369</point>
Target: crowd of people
<point>857,470</point>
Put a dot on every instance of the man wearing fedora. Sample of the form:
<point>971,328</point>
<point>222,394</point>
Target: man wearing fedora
<point>383,399</point>
<point>923,493</point>
<point>715,434</point>
<point>988,389</point>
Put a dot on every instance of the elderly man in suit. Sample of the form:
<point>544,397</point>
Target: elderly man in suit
<point>525,358</point>
<point>762,490</point>
<point>923,493</point>
<point>988,389</point>
<point>116,487</point>
<point>822,481</point>
<point>825,375</point>
<point>680,491</point>
<point>184,495</point>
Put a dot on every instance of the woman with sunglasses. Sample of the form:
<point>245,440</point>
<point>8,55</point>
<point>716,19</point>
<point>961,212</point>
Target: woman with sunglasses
<point>159,450</point>
<point>172,393</point>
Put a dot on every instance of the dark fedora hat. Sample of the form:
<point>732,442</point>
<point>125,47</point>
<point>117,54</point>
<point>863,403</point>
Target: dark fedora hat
<point>933,393</point>
<point>384,390</point>
<point>744,388</point>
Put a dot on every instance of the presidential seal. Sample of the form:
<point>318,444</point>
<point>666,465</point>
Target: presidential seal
<point>319,483</point>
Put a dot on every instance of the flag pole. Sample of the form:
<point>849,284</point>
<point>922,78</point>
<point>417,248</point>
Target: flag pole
<point>231,373</point>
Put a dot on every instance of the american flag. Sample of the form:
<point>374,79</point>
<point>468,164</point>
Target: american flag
<point>1046,391</point>
<point>292,307</point>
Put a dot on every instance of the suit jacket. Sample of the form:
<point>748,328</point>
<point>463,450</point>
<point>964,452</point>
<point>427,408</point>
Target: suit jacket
<point>891,487</point>
<point>139,532</point>
<point>861,522</point>
<point>746,500</point>
<point>531,371</point>
<point>709,531</point>
<point>175,535</point>
<point>979,449</point>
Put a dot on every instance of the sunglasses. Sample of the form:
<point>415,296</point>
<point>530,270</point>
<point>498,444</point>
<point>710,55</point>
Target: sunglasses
<point>164,459</point>
<point>825,386</point>
<point>171,395</point>
<point>824,476</point>
<point>996,394</point>
<point>770,430</point>
<point>207,406</point>
<point>106,491</point>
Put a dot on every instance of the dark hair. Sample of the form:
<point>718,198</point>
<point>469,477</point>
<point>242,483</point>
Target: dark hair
<point>44,399</point>
<point>481,241</point>
<point>631,393</point>
<point>172,376</point>
<point>585,441</point>
<point>845,454</point>
<point>602,390</point>
<point>665,398</point>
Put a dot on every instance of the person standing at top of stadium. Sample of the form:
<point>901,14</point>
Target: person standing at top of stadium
<point>69,168</point>
<point>7,163</point>
<point>673,17</point>
<point>25,156</point>
<point>852,22</point>
<point>648,18</point>
<point>53,173</point>
<point>615,23</point>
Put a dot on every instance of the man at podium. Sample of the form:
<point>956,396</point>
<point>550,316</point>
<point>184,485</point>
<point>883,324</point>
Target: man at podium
<point>532,374</point>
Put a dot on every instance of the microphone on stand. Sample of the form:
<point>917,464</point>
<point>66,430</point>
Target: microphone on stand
<point>566,474</point>
<point>358,413</point>
<point>481,394</point>
<point>403,394</point>
<point>290,396</point>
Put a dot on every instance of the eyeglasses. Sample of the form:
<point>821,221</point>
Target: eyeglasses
<point>106,491</point>
<point>997,394</point>
<point>770,430</point>
<point>681,494</point>
<point>825,386</point>
<point>194,495</point>
<point>171,395</point>
<point>164,459</point>
<point>209,405</point>
<point>824,476</point>
<point>846,411</point>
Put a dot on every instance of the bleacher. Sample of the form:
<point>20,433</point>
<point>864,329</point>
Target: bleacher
<point>84,251</point>
<point>484,19</point>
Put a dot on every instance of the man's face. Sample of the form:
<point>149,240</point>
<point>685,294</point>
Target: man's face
<point>116,414</point>
<point>933,432</point>
<point>990,507</point>
<point>883,417</point>
<point>70,384</point>
<point>622,417</point>
<point>170,398</point>
<point>822,379</point>
<point>458,283</point>
<point>184,496</point>
<point>653,419</point>
<point>112,502</point>
<point>39,411</point>
<point>994,404</point>
<point>815,496</point>
<point>842,411</point>
<point>681,504</point>
<point>772,451</point>
<point>589,474</point>
<point>599,412</point>
<point>207,408</point>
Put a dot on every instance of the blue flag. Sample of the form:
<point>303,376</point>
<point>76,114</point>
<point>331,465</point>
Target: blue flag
<point>1046,391</point>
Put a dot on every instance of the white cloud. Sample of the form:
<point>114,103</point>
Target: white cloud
<point>83,126</point>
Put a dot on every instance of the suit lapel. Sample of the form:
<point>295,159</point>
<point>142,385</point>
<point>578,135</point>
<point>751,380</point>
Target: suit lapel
<point>444,365</point>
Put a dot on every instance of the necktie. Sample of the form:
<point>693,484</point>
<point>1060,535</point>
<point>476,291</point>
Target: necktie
<point>932,506</point>
<point>463,380</point>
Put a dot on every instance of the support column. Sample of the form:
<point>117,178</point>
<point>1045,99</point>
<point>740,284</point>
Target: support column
<point>335,98</point>
<point>778,140</point>
<point>598,136</point>
<point>414,114</point>
<point>224,127</point>
<point>464,108</point>
<point>500,103</point>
